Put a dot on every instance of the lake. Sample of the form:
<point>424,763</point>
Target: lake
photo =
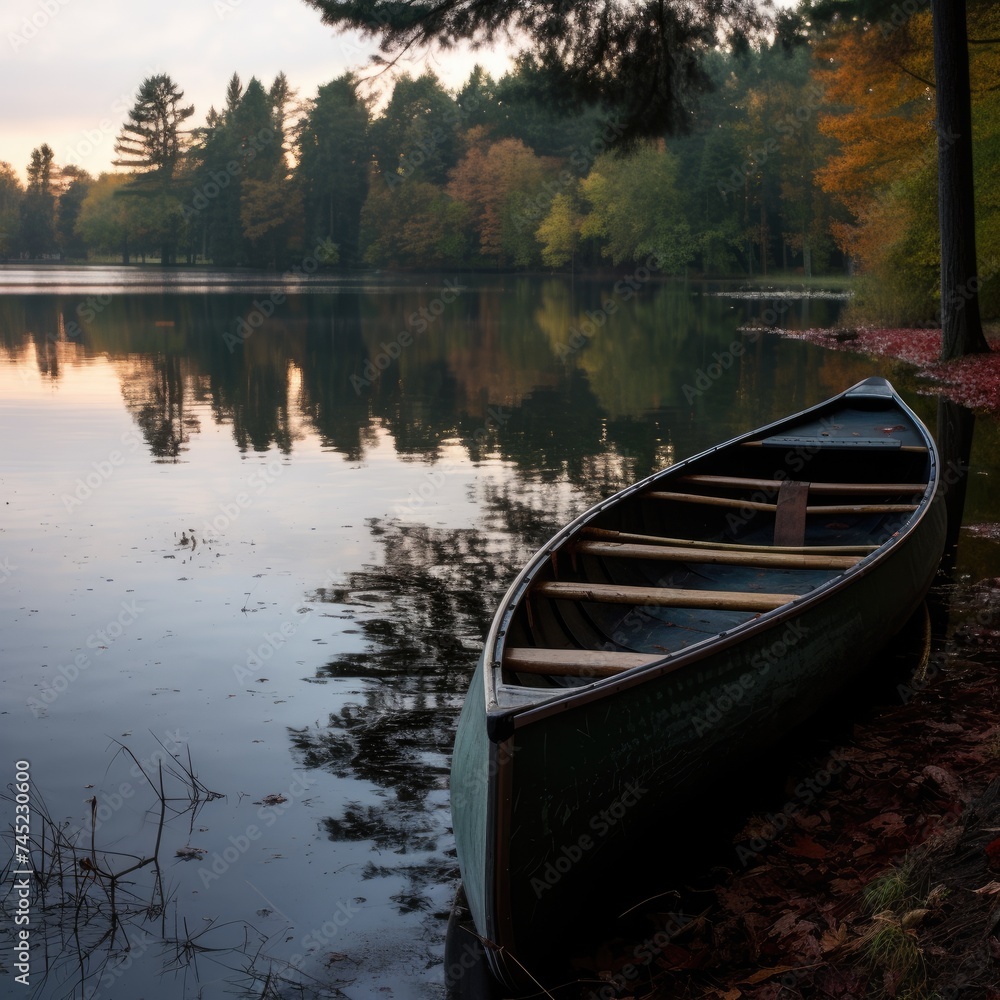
<point>253,530</point>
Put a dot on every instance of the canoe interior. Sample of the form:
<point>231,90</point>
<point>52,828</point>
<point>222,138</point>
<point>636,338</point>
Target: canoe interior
<point>867,466</point>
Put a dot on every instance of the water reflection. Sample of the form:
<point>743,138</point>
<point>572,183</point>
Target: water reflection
<point>431,449</point>
<point>423,610</point>
<point>424,373</point>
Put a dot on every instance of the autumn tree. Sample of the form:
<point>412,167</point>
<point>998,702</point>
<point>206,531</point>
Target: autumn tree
<point>952,98</point>
<point>110,223</point>
<point>559,232</point>
<point>413,225</point>
<point>636,208</point>
<point>496,182</point>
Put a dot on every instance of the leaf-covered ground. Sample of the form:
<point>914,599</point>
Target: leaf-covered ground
<point>973,381</point>
<point>884,883</point>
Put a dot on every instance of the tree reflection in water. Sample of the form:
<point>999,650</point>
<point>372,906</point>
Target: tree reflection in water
<point>424,611</point>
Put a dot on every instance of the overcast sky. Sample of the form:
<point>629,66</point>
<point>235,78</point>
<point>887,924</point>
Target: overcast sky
<point>70,69</point>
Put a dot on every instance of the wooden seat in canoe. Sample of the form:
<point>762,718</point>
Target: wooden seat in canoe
<point>736,503</point>
<point>664,597</point>
<point>722,557</point>
<point>574,662</point>
<point>606,534</point>
<point>771,485</point>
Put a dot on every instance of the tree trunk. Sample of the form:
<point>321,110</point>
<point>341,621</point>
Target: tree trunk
<point>961,325</point>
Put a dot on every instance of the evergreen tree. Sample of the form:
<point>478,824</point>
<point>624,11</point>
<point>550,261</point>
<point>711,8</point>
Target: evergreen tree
<point>150,145</point>
<point>643,59</point>
<point>417,135</point>
<point>334,162</point>
<point>11,196</point>
<point>77,183</point>
<point>38,208</point>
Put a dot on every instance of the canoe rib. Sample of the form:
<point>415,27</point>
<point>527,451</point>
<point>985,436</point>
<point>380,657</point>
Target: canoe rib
<point>722,557</point>
<point>663,597</point>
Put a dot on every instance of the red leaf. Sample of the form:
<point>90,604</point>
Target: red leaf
<point>806,847</point>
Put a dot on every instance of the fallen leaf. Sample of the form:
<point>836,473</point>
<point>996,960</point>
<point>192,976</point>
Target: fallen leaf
<point>806,847</point>
<point>832,940</point>
<point>761,974</point>
<point>990,889</point>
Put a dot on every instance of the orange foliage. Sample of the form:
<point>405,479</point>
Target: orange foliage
<point>883,83</point>
<point>485,179</point>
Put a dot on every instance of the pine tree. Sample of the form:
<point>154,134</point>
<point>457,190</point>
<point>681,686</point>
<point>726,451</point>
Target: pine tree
<point>38,208</point>
<point>150,144</point>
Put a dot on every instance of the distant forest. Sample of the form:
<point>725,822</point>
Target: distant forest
<point>815,155</point>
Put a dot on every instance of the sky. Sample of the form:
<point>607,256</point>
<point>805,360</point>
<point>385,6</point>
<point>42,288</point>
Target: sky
<point>70,69</point>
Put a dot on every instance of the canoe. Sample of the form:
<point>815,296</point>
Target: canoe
<point>668,634</point>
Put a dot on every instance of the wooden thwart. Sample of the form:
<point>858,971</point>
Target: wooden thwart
<point>737,504</point>
<point>664,597</point>
<point>772,485</point>
<point>626,536</point>
<point>722,557</point>
<point>574,662</point>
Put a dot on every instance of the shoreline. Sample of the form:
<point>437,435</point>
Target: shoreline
<point>886,883</point>
<point>972,381</point>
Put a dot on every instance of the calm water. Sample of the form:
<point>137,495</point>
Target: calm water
<point>256,529</point>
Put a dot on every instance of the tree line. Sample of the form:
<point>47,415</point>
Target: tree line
<point>815,154</point>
